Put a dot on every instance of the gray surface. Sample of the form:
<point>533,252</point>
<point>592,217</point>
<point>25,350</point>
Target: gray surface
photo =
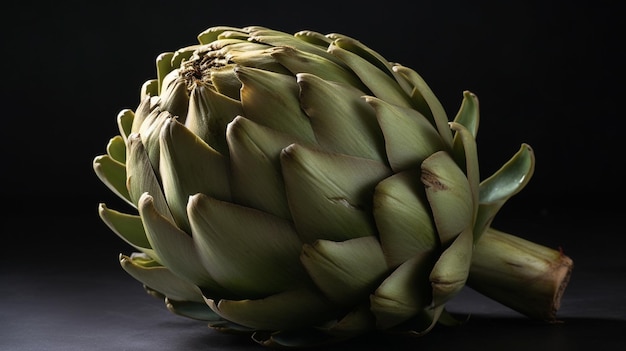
<point>52,310</point>
<point>67,299</point>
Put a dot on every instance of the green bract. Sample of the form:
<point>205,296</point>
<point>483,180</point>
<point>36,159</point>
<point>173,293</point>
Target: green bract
<point>306,190</point>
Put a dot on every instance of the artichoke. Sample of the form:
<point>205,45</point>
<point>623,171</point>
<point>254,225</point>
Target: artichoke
<point>302,189</point>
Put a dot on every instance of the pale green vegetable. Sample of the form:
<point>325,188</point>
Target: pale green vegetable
<point>305,190</point>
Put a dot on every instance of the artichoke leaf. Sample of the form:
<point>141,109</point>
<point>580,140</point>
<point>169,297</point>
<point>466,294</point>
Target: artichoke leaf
<point>423,323</point>
<point>116,149</point>
<point>466,156</point>
<point>373,57</point>
<point>404,293</point>
<point>345,271</point>
<point>358,48</point>
<point>125,120</point>
<point>209,114</point>
<point>287,310</point>
<point>141,178</point>
<point>449,194</point>
<point>149,88</point>
<point>192,309</point>
<point>403,218</point>
<point>276,39</point>
<point>261,58</point>
<point>163,68</point>
<point>189,166</point>
<point>507,181</point>
<point>175,97</point>
<point>342,121</point>
<point>211,34</point>
<point>176,249</point>
<point>160,279</point>
<point>144,111</point>
<point>379,83</point>
<point>409,137</point>
<point>313,37</point>
<point>128,227</point>
<point>215,47</point>
<point>425,101</point>
<point>149,133</point>
<point>357,321</point>
<point>225,81</point>
<point>247,251</point>
<point>271,99</point>
<point>254,160</point>
<point>336,187</point>
<point>265,31</point>
<point>297,61</point>
<point>183,54</point>
<point>230,48</point>
<point>468,114</point>
<point>451,270</point>
<point>113,175</point>
<point>232,35</point>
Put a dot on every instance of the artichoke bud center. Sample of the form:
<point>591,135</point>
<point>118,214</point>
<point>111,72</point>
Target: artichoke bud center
<point>198,70</point>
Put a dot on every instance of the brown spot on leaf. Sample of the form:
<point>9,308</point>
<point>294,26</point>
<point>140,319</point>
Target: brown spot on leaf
<point>431,180</point>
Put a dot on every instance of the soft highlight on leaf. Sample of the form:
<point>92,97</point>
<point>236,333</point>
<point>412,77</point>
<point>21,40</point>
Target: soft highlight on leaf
<point>345,271</point>
<point>332,186</point>
<point>248,252</point>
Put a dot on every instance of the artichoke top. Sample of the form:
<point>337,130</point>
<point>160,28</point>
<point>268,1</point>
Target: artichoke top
<point>300,185</point>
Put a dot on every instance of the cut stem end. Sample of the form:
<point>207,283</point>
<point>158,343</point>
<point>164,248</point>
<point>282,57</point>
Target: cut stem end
<point>522,275</point>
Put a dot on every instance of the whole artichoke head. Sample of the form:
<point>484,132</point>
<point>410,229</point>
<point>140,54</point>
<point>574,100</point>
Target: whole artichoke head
<point>306,190</point>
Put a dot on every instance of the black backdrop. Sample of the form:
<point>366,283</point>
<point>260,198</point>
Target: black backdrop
<point>547,73</point>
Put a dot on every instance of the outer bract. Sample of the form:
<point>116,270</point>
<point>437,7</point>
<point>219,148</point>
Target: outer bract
<point>305,190</point>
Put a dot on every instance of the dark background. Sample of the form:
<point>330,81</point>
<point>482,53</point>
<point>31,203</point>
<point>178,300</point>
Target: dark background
<point>547,73</point>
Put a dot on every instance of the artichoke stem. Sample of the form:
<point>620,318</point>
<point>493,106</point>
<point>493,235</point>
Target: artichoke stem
<point>524,276</point>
